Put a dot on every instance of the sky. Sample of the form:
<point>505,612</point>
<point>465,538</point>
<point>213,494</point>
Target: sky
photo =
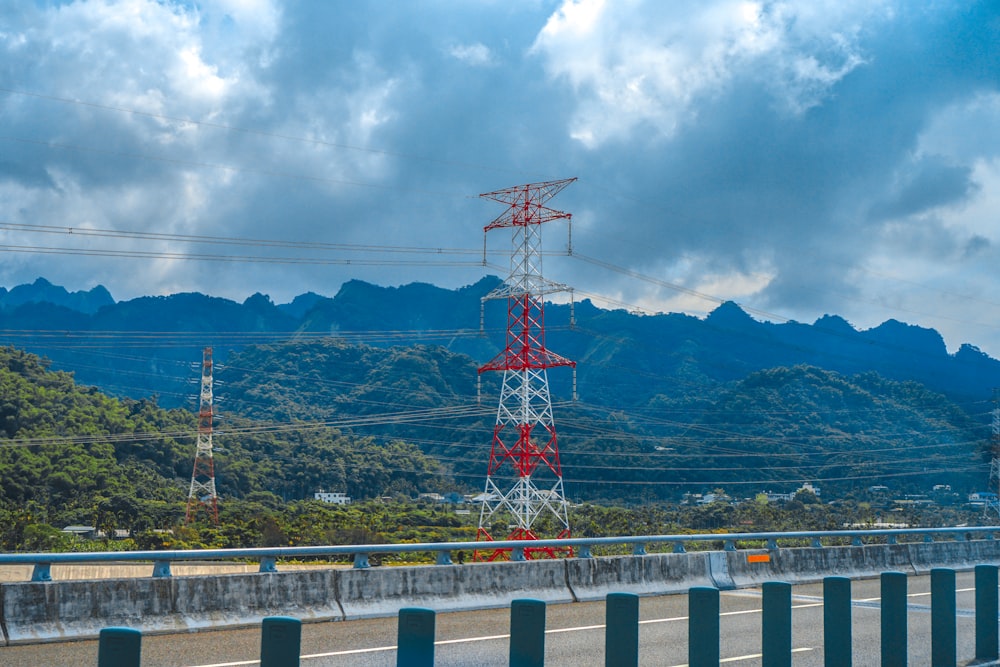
<point>798,158</point>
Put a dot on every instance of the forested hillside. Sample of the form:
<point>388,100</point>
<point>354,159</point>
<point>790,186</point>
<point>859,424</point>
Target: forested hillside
<point>774,429</point>
<point>301,417</point>
<point>374,393</point>
<point>71,455</point>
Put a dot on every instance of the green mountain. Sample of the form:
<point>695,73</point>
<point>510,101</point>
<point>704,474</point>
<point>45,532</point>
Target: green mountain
<point>668,403</point>
<point>71,455</point>
<point>772,430</point>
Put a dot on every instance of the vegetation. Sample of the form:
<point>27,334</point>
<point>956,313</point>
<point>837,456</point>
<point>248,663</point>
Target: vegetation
<point>385,424</point>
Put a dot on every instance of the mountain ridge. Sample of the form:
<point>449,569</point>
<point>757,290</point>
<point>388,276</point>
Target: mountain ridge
<point>154,339</point>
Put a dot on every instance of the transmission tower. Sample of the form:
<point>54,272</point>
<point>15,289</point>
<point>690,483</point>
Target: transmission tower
<point>202,493</point>
<point>524,477</point>
<point>994,483</point>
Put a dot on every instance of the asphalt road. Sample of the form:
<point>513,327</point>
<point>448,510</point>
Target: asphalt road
<point>574,635</point>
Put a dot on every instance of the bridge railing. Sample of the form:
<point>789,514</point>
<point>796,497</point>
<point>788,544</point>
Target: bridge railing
<point>583,547</point>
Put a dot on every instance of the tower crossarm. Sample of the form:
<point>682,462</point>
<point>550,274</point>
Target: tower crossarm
<point>525,204</point>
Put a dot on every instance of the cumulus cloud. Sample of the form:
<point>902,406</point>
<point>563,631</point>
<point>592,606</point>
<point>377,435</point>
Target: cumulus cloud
<point>802,157</point>
<point>650,64</point>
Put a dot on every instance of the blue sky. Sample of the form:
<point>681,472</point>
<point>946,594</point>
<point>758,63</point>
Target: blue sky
<point>799,158</point>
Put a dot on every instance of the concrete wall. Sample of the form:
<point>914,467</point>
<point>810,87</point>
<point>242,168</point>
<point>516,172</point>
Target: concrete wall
<point>33,612</point>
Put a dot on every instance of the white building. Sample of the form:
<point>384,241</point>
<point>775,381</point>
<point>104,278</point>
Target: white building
<point>336,497</point>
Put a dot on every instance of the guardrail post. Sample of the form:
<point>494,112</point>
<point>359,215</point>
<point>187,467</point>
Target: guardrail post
<point>837,649</point>
<point>161,568</point>
<point>943,640</point>
<point>776,624</point>
<point>703,627</point>
<point>621,630</point>
<point>415,638</point>
<point>119,647</point>
<point>527,633</point>
<point>268,564</point>
<point>280,640</point>
<point>987,644</point>
<point>893,619</point>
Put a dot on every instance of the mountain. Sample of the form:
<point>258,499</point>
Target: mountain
<point>69,453</point>
<point>42,291</point>
<point>146,346</point>
<point>771,430</point>
<point>294,417</point>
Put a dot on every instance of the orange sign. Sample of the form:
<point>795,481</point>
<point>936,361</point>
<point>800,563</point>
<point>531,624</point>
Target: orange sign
<point>758,558</point>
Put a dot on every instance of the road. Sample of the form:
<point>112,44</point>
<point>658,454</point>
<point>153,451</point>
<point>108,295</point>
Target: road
<point>575,635</point>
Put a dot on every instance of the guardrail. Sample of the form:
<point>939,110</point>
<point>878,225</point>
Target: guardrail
<point>583,548</point>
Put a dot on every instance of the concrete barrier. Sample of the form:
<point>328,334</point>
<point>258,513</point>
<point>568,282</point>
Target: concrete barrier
<point>382,591</point>
<point>655,574</point>
<point>35,612</point>
<point>806,564</point>
<point>32,612</point>
<point>925,556</point>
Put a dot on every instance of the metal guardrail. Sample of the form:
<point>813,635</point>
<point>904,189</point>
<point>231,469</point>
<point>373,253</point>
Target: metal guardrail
<point>583,546</point>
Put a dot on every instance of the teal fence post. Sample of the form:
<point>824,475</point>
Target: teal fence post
<point>943,624</point>
<point>527,633</point>
<point>987,640</point>
<point>280,639</point>
<point>415,638</point>
<point>837,648</point>
<point>893,619</point>
<point>119,647</point>
<point>703,627</point>
<point>621,630</point>
<point>776,625</point>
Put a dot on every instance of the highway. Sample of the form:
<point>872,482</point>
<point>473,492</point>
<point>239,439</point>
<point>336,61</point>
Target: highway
<point>575,635</point>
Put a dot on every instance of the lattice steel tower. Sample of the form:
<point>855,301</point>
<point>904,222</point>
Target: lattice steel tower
<point>202,493</point>
<point>994,483</point>
<point>524,477</point>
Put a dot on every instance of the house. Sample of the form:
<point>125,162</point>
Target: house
<point>982,498</point>
<point>335,497</point>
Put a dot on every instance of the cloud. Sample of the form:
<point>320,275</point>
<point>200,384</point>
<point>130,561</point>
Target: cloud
<point>650,64</point>
<point>800,157</point>
<point>473,54</point>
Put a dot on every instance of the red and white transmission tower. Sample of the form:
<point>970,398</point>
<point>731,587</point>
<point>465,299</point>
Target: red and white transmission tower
<point>524,478</point>
<point>202,493</point>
